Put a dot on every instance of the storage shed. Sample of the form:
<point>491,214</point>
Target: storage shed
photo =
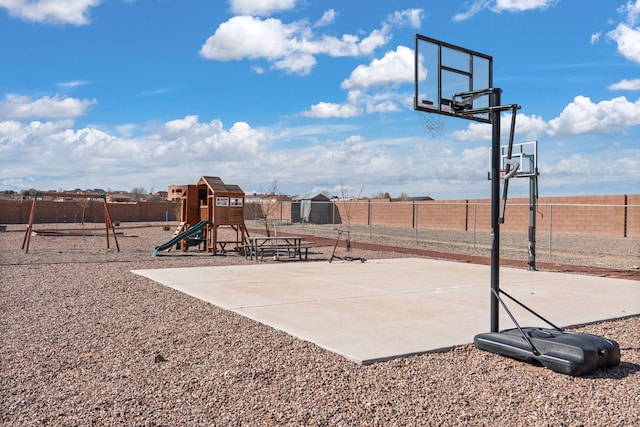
<point>311,208</point>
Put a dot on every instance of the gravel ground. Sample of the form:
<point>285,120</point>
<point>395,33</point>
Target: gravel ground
<point>86,342</point>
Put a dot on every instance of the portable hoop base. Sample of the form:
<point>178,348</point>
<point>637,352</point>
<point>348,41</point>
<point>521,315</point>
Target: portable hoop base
<point>452,91</point>
<point>569,353</point>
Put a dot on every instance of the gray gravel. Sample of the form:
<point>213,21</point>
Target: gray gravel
<point>86,342</point>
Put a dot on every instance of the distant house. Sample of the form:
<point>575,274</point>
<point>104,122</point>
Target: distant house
<point>175,192</point>
<point>311,208</point>
<point>164,195</point>
<point>119,198</point>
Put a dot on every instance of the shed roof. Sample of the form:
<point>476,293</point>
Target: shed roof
<point>216,184</point>
<point>317,197</point>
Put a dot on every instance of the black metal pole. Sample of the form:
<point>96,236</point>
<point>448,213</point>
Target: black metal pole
<point>532,221</point>
<point>495,210</point>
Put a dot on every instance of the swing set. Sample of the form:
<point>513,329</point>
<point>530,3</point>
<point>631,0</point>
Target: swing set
<point>83,197</point>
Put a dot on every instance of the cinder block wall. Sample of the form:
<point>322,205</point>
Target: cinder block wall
<point>633,215</point>
<point>352,212</point>
<point>48,211</point>
<point>392,214</point>
<point>595,215</point>
<point>615,215</point>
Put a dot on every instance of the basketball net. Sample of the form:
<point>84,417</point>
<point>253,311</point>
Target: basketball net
<point>432,123</point>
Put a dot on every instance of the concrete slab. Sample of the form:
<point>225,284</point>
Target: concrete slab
<point>390,308</point>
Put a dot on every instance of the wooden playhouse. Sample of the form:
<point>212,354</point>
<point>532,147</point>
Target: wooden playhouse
<point>219,203</point>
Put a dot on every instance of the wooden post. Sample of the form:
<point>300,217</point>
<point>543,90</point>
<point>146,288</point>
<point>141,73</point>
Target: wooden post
<point>27,233</point>
<point>107,220</point>
<point>108,224</point>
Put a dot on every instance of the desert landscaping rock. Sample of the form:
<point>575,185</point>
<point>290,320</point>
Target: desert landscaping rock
<point>86,342</point>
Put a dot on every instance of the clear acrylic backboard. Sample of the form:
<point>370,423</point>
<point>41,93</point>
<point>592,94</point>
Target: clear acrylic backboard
<point>442,71</point>
<point>525,154</point>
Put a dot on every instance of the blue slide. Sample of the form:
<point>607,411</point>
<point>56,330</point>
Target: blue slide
<point>196,229</point>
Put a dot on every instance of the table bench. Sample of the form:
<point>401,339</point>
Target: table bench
<point>276,246</point>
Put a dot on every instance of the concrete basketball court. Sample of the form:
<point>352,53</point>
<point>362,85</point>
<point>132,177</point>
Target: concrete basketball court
<point>383,309</point>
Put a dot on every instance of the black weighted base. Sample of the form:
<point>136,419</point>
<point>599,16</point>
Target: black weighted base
<point>569,353</point>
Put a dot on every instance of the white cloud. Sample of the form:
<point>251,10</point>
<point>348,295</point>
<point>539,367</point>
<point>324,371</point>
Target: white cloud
<point>56,107</point>
<point>290,47</point>
<point>298,64</point>
<point>260,7</point>
<point>632,9</point>
<point>159,91</point>
<point>293,47</point>
<point>323,110</point>
<point>626,84</point>
<point>628,40</point>
<point>258,70</point>
<point>382,107</point>
<point>55,155</point>
<point>72,84</point>
<point>248,37</point>
<point>587,170</point>
<point>474,132</point>
<point>520,5</point>
<point>499,6</point>
<point>126,130</point>
<point>475,8</point>
<point>527,128</point>
<point>627,34</point>
<point>74,12</point>
<point>327,18</point>
<point>55,152</point>
<point>409,17</point>
<point>395,67</point>
<point>582,116</point>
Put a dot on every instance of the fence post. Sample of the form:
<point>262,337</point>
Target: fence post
<point>550,229</point>
<point>369,219</point>
<point>415,220</point>
<point>475,207</point>
<point>626,207</point>
<point>466,215</point>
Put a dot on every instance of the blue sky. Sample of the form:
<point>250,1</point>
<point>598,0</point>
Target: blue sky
<point>317,95</point>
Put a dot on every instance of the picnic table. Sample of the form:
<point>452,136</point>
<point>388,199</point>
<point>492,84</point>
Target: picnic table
<point>291,246</point>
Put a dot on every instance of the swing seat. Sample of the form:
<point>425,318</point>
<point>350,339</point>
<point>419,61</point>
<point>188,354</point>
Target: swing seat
<point>569,353</point>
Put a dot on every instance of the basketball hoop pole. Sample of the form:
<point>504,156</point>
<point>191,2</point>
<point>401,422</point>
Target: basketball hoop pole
<point>494,101</point>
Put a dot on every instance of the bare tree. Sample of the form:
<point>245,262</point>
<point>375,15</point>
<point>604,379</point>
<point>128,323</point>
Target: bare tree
<point>84,203</point>
<point>270,203</point>
<point>347,205</point>
<point>138,192</point>
<point>382,195</point>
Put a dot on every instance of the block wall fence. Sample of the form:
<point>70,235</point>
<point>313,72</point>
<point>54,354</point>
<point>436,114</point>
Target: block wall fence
<point>615,216</point>
<point>49,211</point>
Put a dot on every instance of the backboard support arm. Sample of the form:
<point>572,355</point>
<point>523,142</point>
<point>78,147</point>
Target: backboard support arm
<point>511,166</point>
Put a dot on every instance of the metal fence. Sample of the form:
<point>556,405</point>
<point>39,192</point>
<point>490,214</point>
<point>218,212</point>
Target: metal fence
<point>595,235</point>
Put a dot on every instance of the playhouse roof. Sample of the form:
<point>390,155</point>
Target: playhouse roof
<point>216,184</point>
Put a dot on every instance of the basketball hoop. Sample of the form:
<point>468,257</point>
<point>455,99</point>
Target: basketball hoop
<point>432,123</point>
